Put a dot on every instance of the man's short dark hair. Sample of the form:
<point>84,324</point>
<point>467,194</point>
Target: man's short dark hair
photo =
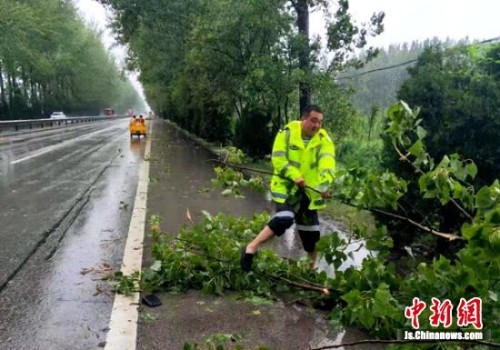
<point>310,108</point>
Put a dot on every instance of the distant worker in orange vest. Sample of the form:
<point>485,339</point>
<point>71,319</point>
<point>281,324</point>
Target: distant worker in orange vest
<point>133,120</point>
<point>141,119</point>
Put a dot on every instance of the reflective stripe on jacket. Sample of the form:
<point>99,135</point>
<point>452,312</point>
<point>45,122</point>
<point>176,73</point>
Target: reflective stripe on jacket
<point>291,159</point>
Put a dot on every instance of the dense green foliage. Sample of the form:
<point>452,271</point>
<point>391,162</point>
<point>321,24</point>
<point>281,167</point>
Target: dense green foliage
<point>458,91</point>
<point>221,68</point>
<point>206,256</point>
<point>459,99</point>
<point>50,61</point>
<point>473,271</point>
<point>374,87</point>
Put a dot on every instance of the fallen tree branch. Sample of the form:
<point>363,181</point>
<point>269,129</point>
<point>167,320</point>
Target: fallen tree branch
<point>198,252</point>
<point>449,236</point>
<point>316,288</point>
<point>260,171</point>
<point>308,282</point>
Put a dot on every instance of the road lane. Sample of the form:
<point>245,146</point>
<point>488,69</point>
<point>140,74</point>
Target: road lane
<point>37,194</point>
<point>65,210</point>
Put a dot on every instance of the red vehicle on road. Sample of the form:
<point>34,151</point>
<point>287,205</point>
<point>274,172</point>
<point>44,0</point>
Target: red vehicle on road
<point>109,112</point>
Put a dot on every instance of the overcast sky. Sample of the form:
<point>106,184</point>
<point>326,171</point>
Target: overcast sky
<point>405,20</point>
<point>408,20</point>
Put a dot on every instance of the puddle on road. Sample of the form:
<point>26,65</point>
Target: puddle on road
<point>138,147</point>
<point>290,246</point>
<point>357,250</point>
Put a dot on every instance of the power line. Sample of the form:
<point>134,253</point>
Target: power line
<point>409,62</point>
<point>378,70</point>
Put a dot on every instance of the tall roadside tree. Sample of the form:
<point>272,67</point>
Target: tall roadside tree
<point>157,35</point>
<point>343,38</point>
<point>223,66</point>
<point>50,61</point>
<point>458,92</point>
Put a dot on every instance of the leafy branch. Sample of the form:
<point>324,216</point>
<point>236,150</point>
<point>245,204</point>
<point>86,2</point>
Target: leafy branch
<point>417,149</point>
<point>448,236</point>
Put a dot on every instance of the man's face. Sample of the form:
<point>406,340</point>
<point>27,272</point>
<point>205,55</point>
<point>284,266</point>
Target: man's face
<point>311,123</point>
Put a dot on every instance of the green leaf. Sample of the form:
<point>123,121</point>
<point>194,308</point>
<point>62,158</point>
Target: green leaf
<point>188,346</point>
<point>484,198</point>
<point>417,149</point>
<point>471,170</point>
<point>421,132</point>
<point>226,192</point>
<point>493,217</point>
<point>494,238</point>
<point>406,107</point>
<point>470,232</point>
<point>156,266</point>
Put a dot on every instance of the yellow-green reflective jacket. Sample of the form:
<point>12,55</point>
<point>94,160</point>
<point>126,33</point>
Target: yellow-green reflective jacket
<point>291,159</point>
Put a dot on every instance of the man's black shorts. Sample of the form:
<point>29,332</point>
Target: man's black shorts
<point>307,222</point>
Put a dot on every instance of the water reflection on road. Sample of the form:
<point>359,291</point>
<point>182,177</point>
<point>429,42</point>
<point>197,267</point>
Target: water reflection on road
<point>58,299</point>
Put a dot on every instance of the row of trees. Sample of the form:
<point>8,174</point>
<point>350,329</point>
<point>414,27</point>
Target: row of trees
<point>50,61</point>
<point>218,67</point>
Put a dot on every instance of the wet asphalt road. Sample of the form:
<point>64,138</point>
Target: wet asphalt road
<point>65,199</point>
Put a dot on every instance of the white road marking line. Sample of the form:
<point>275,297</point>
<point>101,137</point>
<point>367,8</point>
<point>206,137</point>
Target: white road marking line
<point>60,145</point>
<point>122,333</point>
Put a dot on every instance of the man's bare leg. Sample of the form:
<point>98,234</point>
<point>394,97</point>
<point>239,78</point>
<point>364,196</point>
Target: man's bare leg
<point>312,256</point>
<point>263,236</point>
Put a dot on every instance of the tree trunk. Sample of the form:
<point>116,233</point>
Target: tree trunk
<point>3,100</point>
<point>302,9</point>
<point>43,99</point>
<point>286,109</point>
<point>10,91</point>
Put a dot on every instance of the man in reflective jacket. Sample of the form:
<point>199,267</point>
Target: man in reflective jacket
<point>304,162</point>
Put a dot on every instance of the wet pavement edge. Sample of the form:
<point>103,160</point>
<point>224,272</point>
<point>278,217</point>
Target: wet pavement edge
<point>122,333</point>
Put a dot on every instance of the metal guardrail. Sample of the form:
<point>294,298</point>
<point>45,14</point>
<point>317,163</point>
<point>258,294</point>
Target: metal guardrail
<point>8,126</point>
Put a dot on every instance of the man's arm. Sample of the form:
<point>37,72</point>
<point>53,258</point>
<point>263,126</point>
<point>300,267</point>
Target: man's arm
<point>326,163</point>
<point>281,163</point>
